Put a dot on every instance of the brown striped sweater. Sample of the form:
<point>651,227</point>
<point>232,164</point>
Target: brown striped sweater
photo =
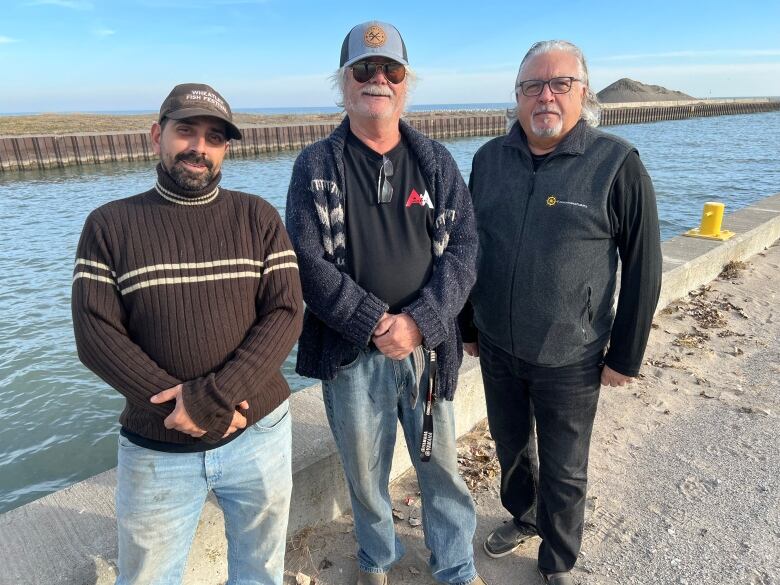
<point>198,288</point>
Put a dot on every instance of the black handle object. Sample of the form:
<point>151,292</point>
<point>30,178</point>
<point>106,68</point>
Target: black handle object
<point>426,442</point>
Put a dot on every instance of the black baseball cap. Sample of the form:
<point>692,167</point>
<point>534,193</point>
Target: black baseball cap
<point>188,100</point>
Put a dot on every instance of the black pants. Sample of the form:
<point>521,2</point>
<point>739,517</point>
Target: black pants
<point>562,403</point>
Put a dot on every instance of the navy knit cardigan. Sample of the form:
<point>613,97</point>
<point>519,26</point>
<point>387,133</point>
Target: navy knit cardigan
<point>340,315</point>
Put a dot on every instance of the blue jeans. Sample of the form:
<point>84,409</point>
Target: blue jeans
<point>160,496</point>
<point>561,403</point>
<point>363,403</point>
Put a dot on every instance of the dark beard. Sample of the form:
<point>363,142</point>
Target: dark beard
<point>187,180</point>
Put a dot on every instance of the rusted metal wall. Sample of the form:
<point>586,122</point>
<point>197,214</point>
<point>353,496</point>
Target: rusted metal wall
<point>42,152</point>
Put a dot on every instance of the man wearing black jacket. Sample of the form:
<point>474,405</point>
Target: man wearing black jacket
<point>557,203</point>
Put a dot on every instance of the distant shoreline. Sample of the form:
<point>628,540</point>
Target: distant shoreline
<point>77,123</point>
<point>74,123</point>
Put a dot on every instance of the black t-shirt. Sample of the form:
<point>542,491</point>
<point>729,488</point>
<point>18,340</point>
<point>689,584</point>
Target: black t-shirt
<point>388,244</point>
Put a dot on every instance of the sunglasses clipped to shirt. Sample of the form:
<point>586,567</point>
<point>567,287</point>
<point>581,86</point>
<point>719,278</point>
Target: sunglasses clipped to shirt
<point>364,71</point>
<point>384,190</point>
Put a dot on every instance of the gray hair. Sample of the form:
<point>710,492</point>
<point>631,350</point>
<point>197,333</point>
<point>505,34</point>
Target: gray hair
<point>339,81</point>
<point>591,108</point>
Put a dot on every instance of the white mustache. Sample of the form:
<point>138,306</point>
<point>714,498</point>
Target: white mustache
<point>377,90</point>
<point>546,110</point>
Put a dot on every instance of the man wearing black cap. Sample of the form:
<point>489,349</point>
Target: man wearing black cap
<point>383,227</point>
<point>186,299</point>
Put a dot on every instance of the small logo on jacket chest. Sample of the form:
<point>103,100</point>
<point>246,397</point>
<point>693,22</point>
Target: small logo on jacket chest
<point>423,200</point>
<point>552,201</point>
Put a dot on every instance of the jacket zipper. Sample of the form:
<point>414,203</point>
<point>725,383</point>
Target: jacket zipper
<point>518,239</point>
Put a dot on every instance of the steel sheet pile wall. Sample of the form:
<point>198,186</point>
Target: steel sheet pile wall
<point>41,152</point>
<point>641,114</point>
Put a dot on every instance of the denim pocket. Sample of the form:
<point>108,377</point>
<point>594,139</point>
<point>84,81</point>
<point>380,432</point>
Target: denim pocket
<point>350,358</point>
<point>125,443</point>
<point>273,418</point>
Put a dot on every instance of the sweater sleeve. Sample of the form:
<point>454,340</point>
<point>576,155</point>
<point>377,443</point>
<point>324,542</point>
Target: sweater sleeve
<point>468,331</point>
<point>455,248</point>
<point>99,324</point>
<point>332,295</point>
<point>635,221</point>
<point>212,399</point>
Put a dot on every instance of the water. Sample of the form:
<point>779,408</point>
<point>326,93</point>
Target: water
<point>58,421</point>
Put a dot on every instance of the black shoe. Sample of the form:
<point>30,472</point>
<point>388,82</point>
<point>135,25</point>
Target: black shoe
<point>508,537</point>
<point>563,578</point>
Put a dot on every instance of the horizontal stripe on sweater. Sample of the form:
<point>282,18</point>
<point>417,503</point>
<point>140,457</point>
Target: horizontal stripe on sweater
<point>269,265</point>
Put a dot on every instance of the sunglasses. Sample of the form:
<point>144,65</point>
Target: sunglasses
<point>384,190</point>
<point>364,71</point>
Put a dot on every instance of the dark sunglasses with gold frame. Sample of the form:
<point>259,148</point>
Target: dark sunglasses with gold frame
<point>364,71</point>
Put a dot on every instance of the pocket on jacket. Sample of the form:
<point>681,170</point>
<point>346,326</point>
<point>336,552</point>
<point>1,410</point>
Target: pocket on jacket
<point>586,318</point>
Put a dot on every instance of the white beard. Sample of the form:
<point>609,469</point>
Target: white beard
<point>548,131</point>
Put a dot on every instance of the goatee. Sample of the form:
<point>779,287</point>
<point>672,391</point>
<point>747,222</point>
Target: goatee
<point>187,179</point>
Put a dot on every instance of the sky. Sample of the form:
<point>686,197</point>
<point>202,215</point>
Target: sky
<point>98,55</point>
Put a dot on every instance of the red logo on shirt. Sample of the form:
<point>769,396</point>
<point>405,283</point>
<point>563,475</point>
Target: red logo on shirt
<point>423,200</point>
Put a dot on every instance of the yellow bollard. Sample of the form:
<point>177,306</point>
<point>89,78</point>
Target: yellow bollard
<point>711,220</point>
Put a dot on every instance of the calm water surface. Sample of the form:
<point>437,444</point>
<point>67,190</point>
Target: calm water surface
<point>58,422</point>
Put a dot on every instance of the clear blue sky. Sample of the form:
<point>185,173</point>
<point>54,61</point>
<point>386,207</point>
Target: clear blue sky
<point>69,55</point>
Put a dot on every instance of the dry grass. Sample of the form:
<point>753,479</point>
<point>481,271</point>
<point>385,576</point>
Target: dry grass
<point>61,124</point>
<point>732,270</point>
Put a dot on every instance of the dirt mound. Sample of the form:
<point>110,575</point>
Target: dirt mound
<point>628,90</point>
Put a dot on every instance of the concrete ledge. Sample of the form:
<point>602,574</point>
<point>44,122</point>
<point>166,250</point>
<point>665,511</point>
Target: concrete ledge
<point>691,262</point>
<point>69,537</point>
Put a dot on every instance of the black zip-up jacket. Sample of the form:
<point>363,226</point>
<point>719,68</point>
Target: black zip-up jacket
<point>549,245</point>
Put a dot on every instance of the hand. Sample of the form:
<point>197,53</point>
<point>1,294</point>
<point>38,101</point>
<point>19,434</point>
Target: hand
<point>179,419</point>
<point>239,420</point>
<point>610,377</point>
<point>383,324</point>
<point>400,338</point>
<point>472,348</point>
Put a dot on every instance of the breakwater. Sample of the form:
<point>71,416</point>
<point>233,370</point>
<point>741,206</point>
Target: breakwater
<point>57,151</point>
<point>638,113</point>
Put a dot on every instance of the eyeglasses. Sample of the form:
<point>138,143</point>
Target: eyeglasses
<point>364,71</point>
<point>384,190</point>
<point>534,87</point>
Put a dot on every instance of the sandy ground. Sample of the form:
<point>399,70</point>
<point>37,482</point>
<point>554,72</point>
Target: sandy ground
<point>627,90</point>
<point>76,123</point>
<point>684,483</point>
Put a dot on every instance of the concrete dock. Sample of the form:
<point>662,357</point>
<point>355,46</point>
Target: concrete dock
<point>69,537</point>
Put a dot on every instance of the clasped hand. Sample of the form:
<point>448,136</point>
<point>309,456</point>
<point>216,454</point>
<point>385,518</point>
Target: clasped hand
<point>180,420</point>
<point>396,336</point>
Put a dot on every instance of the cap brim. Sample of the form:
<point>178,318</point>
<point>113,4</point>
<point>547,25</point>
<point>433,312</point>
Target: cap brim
<point>233,132</point>
<point>367,55</point>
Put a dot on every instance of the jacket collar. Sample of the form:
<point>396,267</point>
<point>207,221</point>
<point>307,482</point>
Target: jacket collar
<point>573,143</point>
<point>418,143</point>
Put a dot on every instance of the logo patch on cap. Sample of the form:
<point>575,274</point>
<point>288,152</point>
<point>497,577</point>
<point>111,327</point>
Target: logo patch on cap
<point>374,36</point>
